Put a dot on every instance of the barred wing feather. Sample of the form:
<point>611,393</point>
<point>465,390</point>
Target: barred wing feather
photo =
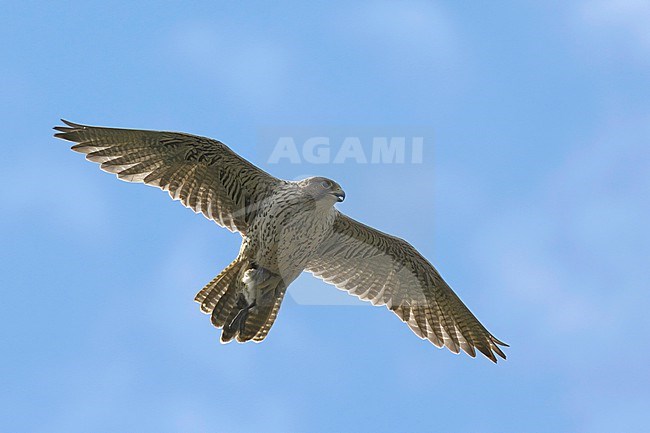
<point>386,270</point>
<point>204,174</point>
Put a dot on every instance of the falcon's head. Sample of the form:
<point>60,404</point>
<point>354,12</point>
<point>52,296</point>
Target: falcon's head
<point>323,189</point>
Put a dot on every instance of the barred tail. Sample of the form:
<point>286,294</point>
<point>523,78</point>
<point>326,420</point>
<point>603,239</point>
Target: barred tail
<point>224,299</point>
<point>210,295</point>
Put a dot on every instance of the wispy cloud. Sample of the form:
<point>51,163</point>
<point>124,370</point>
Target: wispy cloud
<point>233,59</point>
<point>414,26</point>
<point>581,233</point>
<point>572,262</point>
<point>54,196</point>
<point>619,23</point>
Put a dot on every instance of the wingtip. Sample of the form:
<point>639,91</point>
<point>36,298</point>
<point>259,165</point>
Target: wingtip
<point>64,131</point>
<point>494,347</point>
<point>71,124</point>
<point>495,340</point>
<point>499,352</point>
<point>490,356</point>
<point>490,351</point>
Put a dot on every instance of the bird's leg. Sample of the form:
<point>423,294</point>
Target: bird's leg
<point>244,306</point>
<point>258,292</point>
<point>260,284</point>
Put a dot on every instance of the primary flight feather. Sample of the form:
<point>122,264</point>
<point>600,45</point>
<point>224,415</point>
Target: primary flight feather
<point>287,227</point>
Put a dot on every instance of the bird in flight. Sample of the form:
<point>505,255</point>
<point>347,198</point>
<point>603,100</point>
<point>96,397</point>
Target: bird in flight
<point>287,227</point>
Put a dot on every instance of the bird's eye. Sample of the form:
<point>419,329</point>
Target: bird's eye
<point>326,184</point>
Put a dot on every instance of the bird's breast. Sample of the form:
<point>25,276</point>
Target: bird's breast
<point>286,233</point>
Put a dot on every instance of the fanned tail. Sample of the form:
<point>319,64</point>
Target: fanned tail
<point>243,300</point>
<point>215,289</point>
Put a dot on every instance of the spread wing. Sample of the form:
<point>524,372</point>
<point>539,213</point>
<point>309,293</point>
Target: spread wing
<point>386,270</point>
<point>204,174</point>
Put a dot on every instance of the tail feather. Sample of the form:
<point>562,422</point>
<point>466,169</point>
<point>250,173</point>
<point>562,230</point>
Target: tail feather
<point>225,305</point>
<point>214,290</point>
<point>223,298</point>
<point>270,292</point>
<point>236,321</point>
<point>261,323</point>
<point>256,321</point>
<point>218,297</point>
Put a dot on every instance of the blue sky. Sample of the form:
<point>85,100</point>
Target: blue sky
<point>532,201</point>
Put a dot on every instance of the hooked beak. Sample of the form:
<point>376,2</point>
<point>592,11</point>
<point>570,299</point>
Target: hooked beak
<point>340,196</point>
